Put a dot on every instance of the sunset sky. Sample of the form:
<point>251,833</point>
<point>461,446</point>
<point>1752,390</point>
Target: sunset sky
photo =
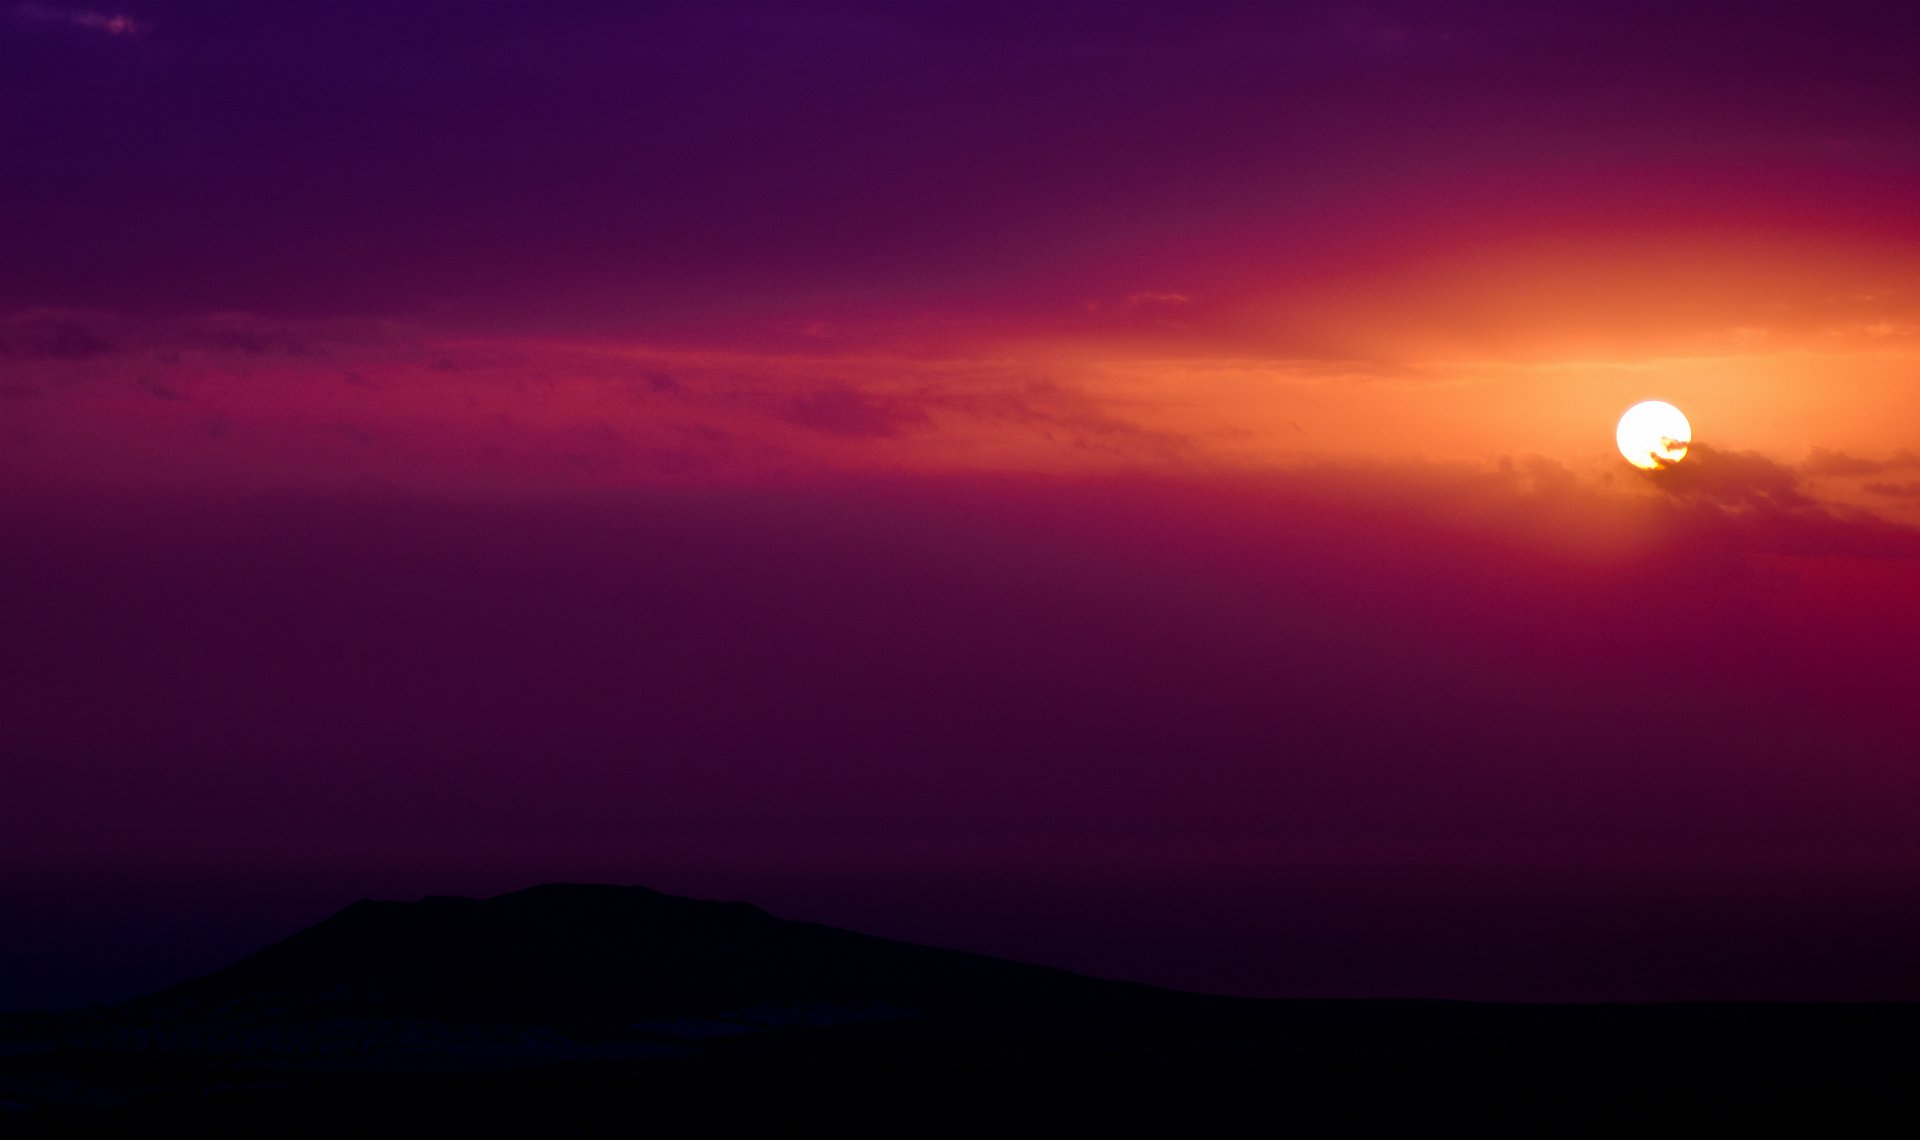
<point>1128,486</point>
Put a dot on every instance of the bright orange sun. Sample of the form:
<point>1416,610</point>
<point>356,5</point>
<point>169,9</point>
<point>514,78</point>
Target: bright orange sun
<point>1653,435</point>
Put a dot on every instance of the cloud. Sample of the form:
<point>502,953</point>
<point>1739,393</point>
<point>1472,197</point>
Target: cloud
<point>259,341</point>
<point>1909,490</point>
<point>450,410</point>
<point>1063,414</point>
<point>1546,475</point>
<point>69,334</point>
<point>1820,533</point>
<point>1732,478</point>
<point>159,388</point>
<point>106,23</point>
<point>844,410</point>
<point>1821,461</point>
<point>52,338</point>
<point>1750,504</point>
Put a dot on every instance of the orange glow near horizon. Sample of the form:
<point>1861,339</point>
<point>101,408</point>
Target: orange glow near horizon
<point>1445,352</point>
<point>443,412</point>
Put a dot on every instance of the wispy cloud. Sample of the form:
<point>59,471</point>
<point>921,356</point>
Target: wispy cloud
<point>1139,300</point>
<point>843,410</point>
<point>1823,461</point>
<point>107,23</point>
<point>1907,490</point>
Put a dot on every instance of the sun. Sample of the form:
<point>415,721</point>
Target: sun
<point>1653,435</point>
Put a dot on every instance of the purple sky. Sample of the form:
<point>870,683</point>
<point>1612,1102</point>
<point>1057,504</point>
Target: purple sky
<point>1123,486</point>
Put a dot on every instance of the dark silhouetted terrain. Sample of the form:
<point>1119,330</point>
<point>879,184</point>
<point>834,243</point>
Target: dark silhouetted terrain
<point>608,1009</point>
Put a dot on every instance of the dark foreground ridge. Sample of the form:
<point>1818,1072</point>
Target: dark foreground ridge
<point>579,1004</point>
<point>592,960</point>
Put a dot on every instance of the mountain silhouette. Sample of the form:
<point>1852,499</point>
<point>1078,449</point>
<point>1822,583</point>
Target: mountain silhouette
<point>568,1004</point>
<point>595,959</point>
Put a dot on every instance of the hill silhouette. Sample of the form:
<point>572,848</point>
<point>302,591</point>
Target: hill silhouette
<point>569,1000</point>
<point>595,958</point>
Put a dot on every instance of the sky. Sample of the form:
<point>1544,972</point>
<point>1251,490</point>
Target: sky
<point>1127,486</point>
